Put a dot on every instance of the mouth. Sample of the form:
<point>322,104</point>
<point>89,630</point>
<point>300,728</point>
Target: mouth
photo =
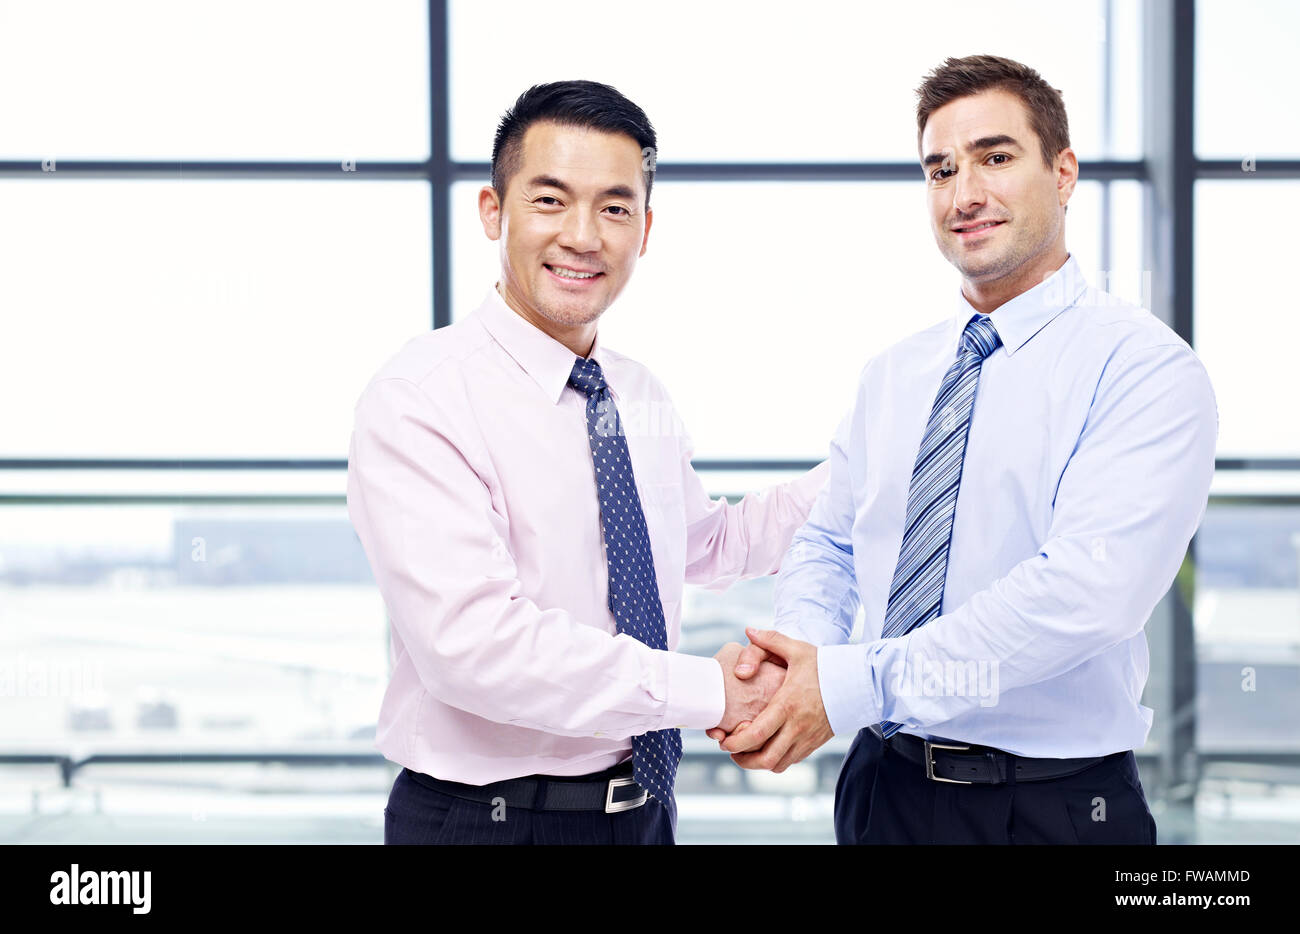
<point>972,231</point>
<point>571,276</point>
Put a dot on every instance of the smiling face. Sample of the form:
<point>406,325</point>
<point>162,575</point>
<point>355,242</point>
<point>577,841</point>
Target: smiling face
<point>571,225</point>
<point>997,212</point>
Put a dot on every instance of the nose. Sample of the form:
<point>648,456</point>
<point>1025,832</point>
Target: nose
<point>968,195</point>
<point>579,232</point>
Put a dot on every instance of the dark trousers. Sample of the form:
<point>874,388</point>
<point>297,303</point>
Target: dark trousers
<point>419,813</point>
<point>883,797</point>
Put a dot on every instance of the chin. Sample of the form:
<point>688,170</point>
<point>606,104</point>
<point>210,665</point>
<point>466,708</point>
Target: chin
<point>977,268</point>
<point>570,316</point>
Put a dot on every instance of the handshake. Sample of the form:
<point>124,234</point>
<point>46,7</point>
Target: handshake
<point>774,715</point>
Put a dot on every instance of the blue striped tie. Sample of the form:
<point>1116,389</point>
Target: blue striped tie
<point>633,590</point>
<point>917,590</point>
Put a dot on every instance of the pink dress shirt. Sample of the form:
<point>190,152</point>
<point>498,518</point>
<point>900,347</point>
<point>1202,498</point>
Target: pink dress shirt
<point>471,486</point>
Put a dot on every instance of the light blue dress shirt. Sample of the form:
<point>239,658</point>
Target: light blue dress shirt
<point>1087,470</point>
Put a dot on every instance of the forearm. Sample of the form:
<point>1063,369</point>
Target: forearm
<point>816,598</point>
<point>512,663</point>
<point>1046,617</point>
<point>728,542</point>
<point>480,646</point>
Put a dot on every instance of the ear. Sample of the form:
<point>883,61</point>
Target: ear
<point>489,212</point>
<point>645,237</point>
<point>1067,174</point>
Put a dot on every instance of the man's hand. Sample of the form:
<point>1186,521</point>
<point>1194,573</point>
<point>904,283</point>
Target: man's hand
<point>744,665</point>
<point>745,699</point>
<point>794,724</point>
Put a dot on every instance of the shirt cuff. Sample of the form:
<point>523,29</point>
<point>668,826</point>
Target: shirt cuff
<point>697,699</point>
<point>848,694</point>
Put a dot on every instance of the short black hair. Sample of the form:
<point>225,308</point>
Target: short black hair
<point>570,103</point>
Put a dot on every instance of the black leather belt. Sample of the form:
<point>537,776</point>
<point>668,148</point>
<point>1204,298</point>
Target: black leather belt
<point>611,791</point>
<point>964,764</point>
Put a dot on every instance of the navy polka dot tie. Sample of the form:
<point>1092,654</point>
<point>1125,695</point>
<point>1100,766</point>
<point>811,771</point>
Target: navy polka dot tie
<point>633,589</point>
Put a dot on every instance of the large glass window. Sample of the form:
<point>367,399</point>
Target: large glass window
<point>153,79</point>
<point>218,318</point>
<point>1247,325</point>
<point>1245,106</point>
<point>187,625</point>
<point>756,82</point>
<point>1245,316</point>
<point>1248,573</point>
<point>155,314</point>
<point>1248,546</point>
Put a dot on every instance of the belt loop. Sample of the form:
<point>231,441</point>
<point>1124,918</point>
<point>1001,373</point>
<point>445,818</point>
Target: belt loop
<point>1011,768</point>
<point>539,799</point>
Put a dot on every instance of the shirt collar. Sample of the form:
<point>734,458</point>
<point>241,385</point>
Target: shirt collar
<point>541,356</point>
<point>1029,312</point>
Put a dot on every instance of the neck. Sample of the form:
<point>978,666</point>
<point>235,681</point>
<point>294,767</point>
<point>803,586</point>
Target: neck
<point>579,338</point>
<point>987,297</point>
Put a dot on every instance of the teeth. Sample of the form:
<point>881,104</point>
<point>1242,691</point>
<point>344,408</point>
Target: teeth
<point>570,274</point>
<point>980,227</point>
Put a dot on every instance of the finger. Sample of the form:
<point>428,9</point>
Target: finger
<point>795,754</point>
<point>758,731</point>
<point>751,656</point>
<point>728,653</point>
<point>773,641</point>
<point>770,755</point>
<point>717,733</point>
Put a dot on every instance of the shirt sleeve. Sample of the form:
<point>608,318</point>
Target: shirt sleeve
<point>727,542</point>
<point>420,499</point>
<point>1126,506</point>
<point>816,597</point>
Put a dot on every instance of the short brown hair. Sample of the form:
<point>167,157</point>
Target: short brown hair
<point>961,77</point>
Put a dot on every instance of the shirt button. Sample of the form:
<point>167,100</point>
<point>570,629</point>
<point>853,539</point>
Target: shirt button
<point>598,734</point>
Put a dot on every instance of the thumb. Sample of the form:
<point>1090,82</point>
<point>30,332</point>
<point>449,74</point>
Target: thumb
<point>751,656</point>
<point>775,642</point>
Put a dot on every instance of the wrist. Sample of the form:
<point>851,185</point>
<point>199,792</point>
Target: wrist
<point>696,696</point>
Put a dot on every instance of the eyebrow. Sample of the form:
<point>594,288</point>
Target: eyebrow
<point>550,181</point>
<point>975,145</point>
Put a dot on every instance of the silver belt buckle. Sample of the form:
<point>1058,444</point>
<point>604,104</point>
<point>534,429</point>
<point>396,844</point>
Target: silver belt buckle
<point>612,806</point>
<point>929,762</point>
